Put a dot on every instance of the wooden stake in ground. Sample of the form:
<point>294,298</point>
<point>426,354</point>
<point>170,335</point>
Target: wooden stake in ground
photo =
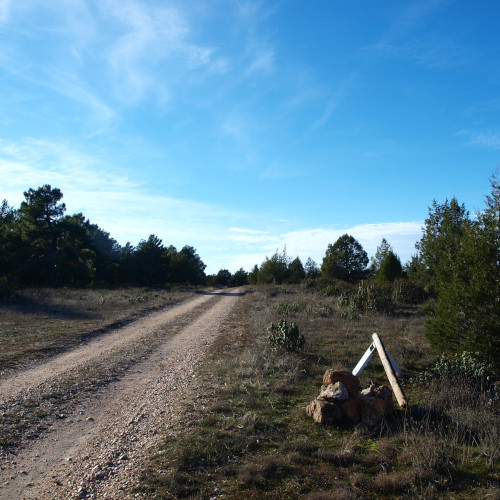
<point>398,392</point>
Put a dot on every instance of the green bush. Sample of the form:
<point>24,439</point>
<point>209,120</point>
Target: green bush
<point>407,292</point>
<point>344,299</point>
<point>285,337</point>
<point>369,297</point>
<point>467,366</point>
<point>334,288</point>
<point>286,308</point>
<point>328,291</point>
<point>308,282</point>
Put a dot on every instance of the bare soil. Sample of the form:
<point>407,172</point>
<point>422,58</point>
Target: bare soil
<point>94,444</point>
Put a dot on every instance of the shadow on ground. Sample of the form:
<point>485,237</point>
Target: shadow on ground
<point>225,294</point>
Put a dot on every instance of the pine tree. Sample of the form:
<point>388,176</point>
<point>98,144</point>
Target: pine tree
<point>390,268</point>
<point>345,260</point>
<point>382,250</point>
<point>296,271</point>
<point>463,262</point>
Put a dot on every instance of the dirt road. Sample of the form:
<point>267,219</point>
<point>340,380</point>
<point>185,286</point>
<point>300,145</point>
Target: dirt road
<point>94,444</point>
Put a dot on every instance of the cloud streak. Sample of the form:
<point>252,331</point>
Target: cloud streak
<point>152,48</point>
<point>338,95</point>
<point>490,140</point>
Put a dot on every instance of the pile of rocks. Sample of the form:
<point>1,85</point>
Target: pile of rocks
<point>340,398</point>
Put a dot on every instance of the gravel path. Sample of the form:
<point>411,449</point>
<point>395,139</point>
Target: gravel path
<point>96,449</point>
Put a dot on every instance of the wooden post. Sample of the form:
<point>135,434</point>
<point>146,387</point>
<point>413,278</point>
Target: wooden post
<point>400,396</point>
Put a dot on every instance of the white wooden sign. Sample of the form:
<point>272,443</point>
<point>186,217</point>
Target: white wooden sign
<point>389,364</point>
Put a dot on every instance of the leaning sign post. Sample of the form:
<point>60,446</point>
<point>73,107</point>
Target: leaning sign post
<point>390,367</point>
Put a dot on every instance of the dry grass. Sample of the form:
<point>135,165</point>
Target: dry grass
<point>256,442</point>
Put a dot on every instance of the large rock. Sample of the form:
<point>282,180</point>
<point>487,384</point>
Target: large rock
<point>340,398</point>
<point>372,410</point>
<point>351,409</point>
<point>348,379</point>
<point>384,393</point>
<point>324,412</point>
<point>334,392</point>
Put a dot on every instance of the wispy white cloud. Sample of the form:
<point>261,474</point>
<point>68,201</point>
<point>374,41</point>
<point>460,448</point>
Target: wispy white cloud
<point>439,53</point>
<point>415,14</point>
<point>241,129</point>
<point>279,169</point>
<point>246,239</point>
<point>262,60</point>
<point>247,231</point>
<point>490,140</point>
<point>334,100</point>
<point>102,115</point>
<point>54,54</point>
<point>109,53</point>
<point>237,126</point>
<point>431,50</point>
<point>435,52</point>
<point>330,107</point>
<point>153,48</point>
<point>146,34</point>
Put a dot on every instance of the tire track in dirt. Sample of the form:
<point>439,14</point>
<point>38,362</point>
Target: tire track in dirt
<point>55,367</point>
<point>98,450</point>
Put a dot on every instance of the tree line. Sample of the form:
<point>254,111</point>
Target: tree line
<point>344,260</point>
<point>41,246</point>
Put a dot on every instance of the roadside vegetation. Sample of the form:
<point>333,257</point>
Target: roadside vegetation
<point>439,317</point>
<point>249,437</point>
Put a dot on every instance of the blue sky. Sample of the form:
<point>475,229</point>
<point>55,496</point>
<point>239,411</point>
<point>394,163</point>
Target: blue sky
<point>240,127</point>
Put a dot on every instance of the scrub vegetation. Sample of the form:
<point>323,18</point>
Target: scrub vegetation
<point>251,438</point>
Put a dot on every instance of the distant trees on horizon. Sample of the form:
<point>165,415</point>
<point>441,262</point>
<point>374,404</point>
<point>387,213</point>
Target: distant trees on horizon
<point>40,245</point>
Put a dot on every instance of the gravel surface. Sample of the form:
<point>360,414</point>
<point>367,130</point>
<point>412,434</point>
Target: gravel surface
<point>94,443</point>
